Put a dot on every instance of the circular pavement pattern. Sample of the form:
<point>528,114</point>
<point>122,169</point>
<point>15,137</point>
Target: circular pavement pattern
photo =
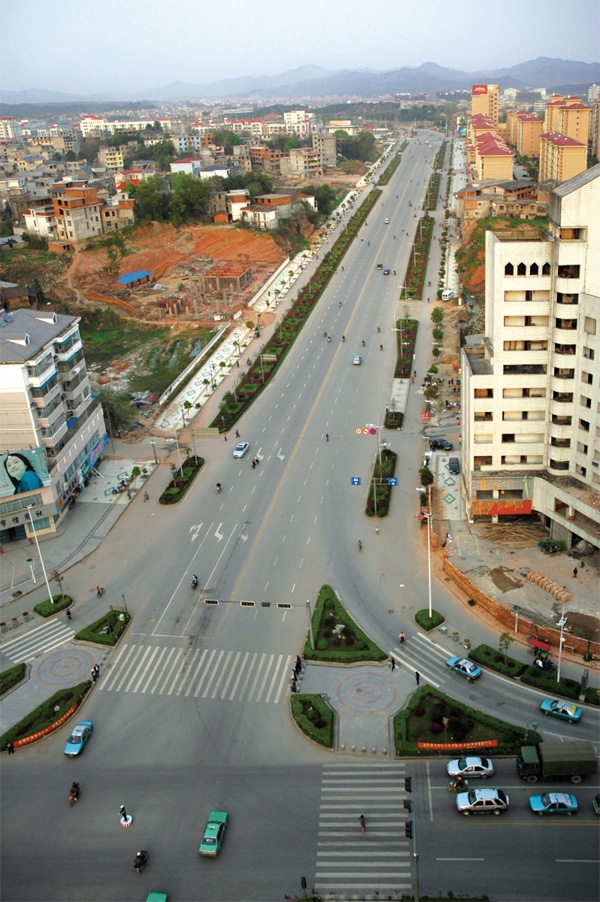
<point>65,668</point>
<point>367,692</point>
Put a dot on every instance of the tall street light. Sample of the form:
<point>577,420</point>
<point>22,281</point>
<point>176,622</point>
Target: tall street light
<point>561,623</point>
<point>153,444</point>
<point>37,545</point>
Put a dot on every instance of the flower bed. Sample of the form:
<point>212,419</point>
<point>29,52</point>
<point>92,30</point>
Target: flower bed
<point>107,630</point>
<point>314,717</point>
<point>337,637</point>
<point>533,676</point>
<point>380,492</point>
<point>48,716</point>
<point>423,721</point>
<point>11,677</point>
<point>417,263</point>
<point>429,623</point>
<point>182,480</point>
<point>48,607</point>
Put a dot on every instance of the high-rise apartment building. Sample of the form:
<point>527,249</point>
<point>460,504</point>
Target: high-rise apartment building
<point>51,427</point>
<point>485,99</point>
<point>561,157</point>
<point>531,383</point>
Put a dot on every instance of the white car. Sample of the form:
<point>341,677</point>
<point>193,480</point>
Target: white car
<point>357,360</point>
<point>386,221</point>
<point>471,767</point>
<point>241,449</point>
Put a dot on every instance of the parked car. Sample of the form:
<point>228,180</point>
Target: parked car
<point>78,738</point>
<point>440,444</point>
<point>464,667</point>
<point>454,465</point>
<point>554,803</point>
<point>241,449</point>
<point>596,803</point>
<point>482,801</point>
<point>447,294</point>
<point>214,833</point>
<point>555,707</point>
<point>471,767</point>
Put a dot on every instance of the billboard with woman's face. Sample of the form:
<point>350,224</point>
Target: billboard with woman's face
<point>23,471</point>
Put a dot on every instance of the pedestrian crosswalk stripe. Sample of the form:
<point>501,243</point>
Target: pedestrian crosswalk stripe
<point>40,640</point>
<point>383,863</point>
<point>223,674</point>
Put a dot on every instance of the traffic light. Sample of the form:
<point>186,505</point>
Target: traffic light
<point>408,829</point>
<point>408,804</point>
<point>408,784</point>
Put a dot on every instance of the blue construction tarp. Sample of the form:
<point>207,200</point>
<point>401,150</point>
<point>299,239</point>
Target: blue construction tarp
<point>130,277</point>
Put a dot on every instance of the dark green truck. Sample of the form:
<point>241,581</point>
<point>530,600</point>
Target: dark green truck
<point>557,761</point>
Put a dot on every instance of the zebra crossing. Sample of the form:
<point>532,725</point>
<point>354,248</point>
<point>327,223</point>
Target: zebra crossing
<point>218,674</point>
<point>350,864</point>
<point>423,655</point>
<point>38,641</point>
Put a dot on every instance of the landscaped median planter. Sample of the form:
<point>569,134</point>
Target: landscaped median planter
<point>47,717</point>
<point>181,481</point>
<point>429,623</point>
<point>107,630</point>
<point>338,640</point>
<point>49,607</point>
<point>434,719</point>
<point>380,492</point>
<point>314,717</point>
<point>12,677</point>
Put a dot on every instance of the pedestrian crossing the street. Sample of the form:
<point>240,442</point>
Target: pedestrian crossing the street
<point>422,655</point>
<point>38,641</point>
<point>350,863</point>
<point>204,673</point>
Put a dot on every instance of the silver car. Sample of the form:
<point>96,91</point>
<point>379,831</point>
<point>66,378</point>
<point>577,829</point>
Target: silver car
<point>471,767</point>
<point>241,449</point>
<point>482,801</point>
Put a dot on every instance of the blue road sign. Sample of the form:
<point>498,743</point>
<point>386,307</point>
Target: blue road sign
<point>392,480</point>
<point>355,480</point>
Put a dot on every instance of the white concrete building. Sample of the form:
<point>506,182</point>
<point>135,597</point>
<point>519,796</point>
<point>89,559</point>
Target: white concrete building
<point>51,427</point>
<point>531,384</point>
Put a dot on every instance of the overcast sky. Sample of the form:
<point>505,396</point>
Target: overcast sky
<point>82,47</point>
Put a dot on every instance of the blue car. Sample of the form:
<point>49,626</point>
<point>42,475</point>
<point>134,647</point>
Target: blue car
<point>564,710</point>
<point>78,738</point>
<point>464,667</point>
<point>554,803</point>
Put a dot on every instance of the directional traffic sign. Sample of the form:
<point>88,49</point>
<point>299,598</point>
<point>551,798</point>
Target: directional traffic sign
<point>355,480</point>
<point>392,480</point>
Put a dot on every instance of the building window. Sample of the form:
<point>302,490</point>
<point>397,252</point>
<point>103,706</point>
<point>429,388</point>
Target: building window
<point>583,424</point>
<point>509,269</point>
<point>588,353</point>
<point>508,437</point>
<point>587,378</point>
<point>589,325</point>
<point>546,269</point>
<point>521,269</point>
<point>534,269</point>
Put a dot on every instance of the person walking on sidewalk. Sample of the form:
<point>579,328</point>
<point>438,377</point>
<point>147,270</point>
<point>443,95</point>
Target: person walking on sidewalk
<point>69,615</point>
<point>402,637</point>
<point>10,748</point>
<point>417,677</point>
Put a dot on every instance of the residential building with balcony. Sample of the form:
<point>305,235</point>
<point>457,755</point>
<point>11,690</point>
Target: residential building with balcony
<point>77,213</point>
<point>530,384</point>
<point>561,157</point>
<point>111,157</point>
<point>529,130</point>
<point>51,426</point>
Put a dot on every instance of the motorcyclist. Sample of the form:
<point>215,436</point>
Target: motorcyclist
<point>343,338</point>
<point>74,791</point>
<point>378,329</point>
<point>219,487</point>
<point>363,344</point>
<point>141,858</point>
<point>194,581</point>
<point>329,338</point>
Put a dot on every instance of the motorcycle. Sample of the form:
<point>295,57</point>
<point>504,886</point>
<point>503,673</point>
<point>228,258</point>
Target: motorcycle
<point>195,582</point>
<point>458,786</point>
<point>141,859</point>
<point>73,794</point>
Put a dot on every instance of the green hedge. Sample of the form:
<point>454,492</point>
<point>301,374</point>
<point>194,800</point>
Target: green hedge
<point>429,623</point>
<point>44,715</point>
<point>328,608</point>
<point>527,673</point>
<point>47,607</point>
<point>182,480</point>
<point>314,717</point>
<point>107,630</point>
<point>12,676</point>
<point>428,705</point>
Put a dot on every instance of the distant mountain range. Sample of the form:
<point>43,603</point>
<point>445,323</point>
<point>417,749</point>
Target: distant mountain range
<point>314,83</point>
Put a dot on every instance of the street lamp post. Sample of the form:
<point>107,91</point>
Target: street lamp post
<point>561,623</point>
<point>30,562</point>
<point>37,545</point>
<point>153,444</point>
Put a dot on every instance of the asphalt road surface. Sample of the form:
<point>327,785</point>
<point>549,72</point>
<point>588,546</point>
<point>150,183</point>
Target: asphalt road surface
<point>193,712</point>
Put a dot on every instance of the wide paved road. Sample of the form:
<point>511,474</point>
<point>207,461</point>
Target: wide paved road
<point>193,712</point>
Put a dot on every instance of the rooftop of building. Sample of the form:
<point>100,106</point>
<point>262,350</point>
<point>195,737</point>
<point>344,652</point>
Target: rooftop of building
<point>574,184</point>
<point>25,333</point>
<point>560,140</point>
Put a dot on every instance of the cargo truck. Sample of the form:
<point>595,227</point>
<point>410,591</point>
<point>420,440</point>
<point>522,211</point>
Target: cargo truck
<point>557,761</point>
